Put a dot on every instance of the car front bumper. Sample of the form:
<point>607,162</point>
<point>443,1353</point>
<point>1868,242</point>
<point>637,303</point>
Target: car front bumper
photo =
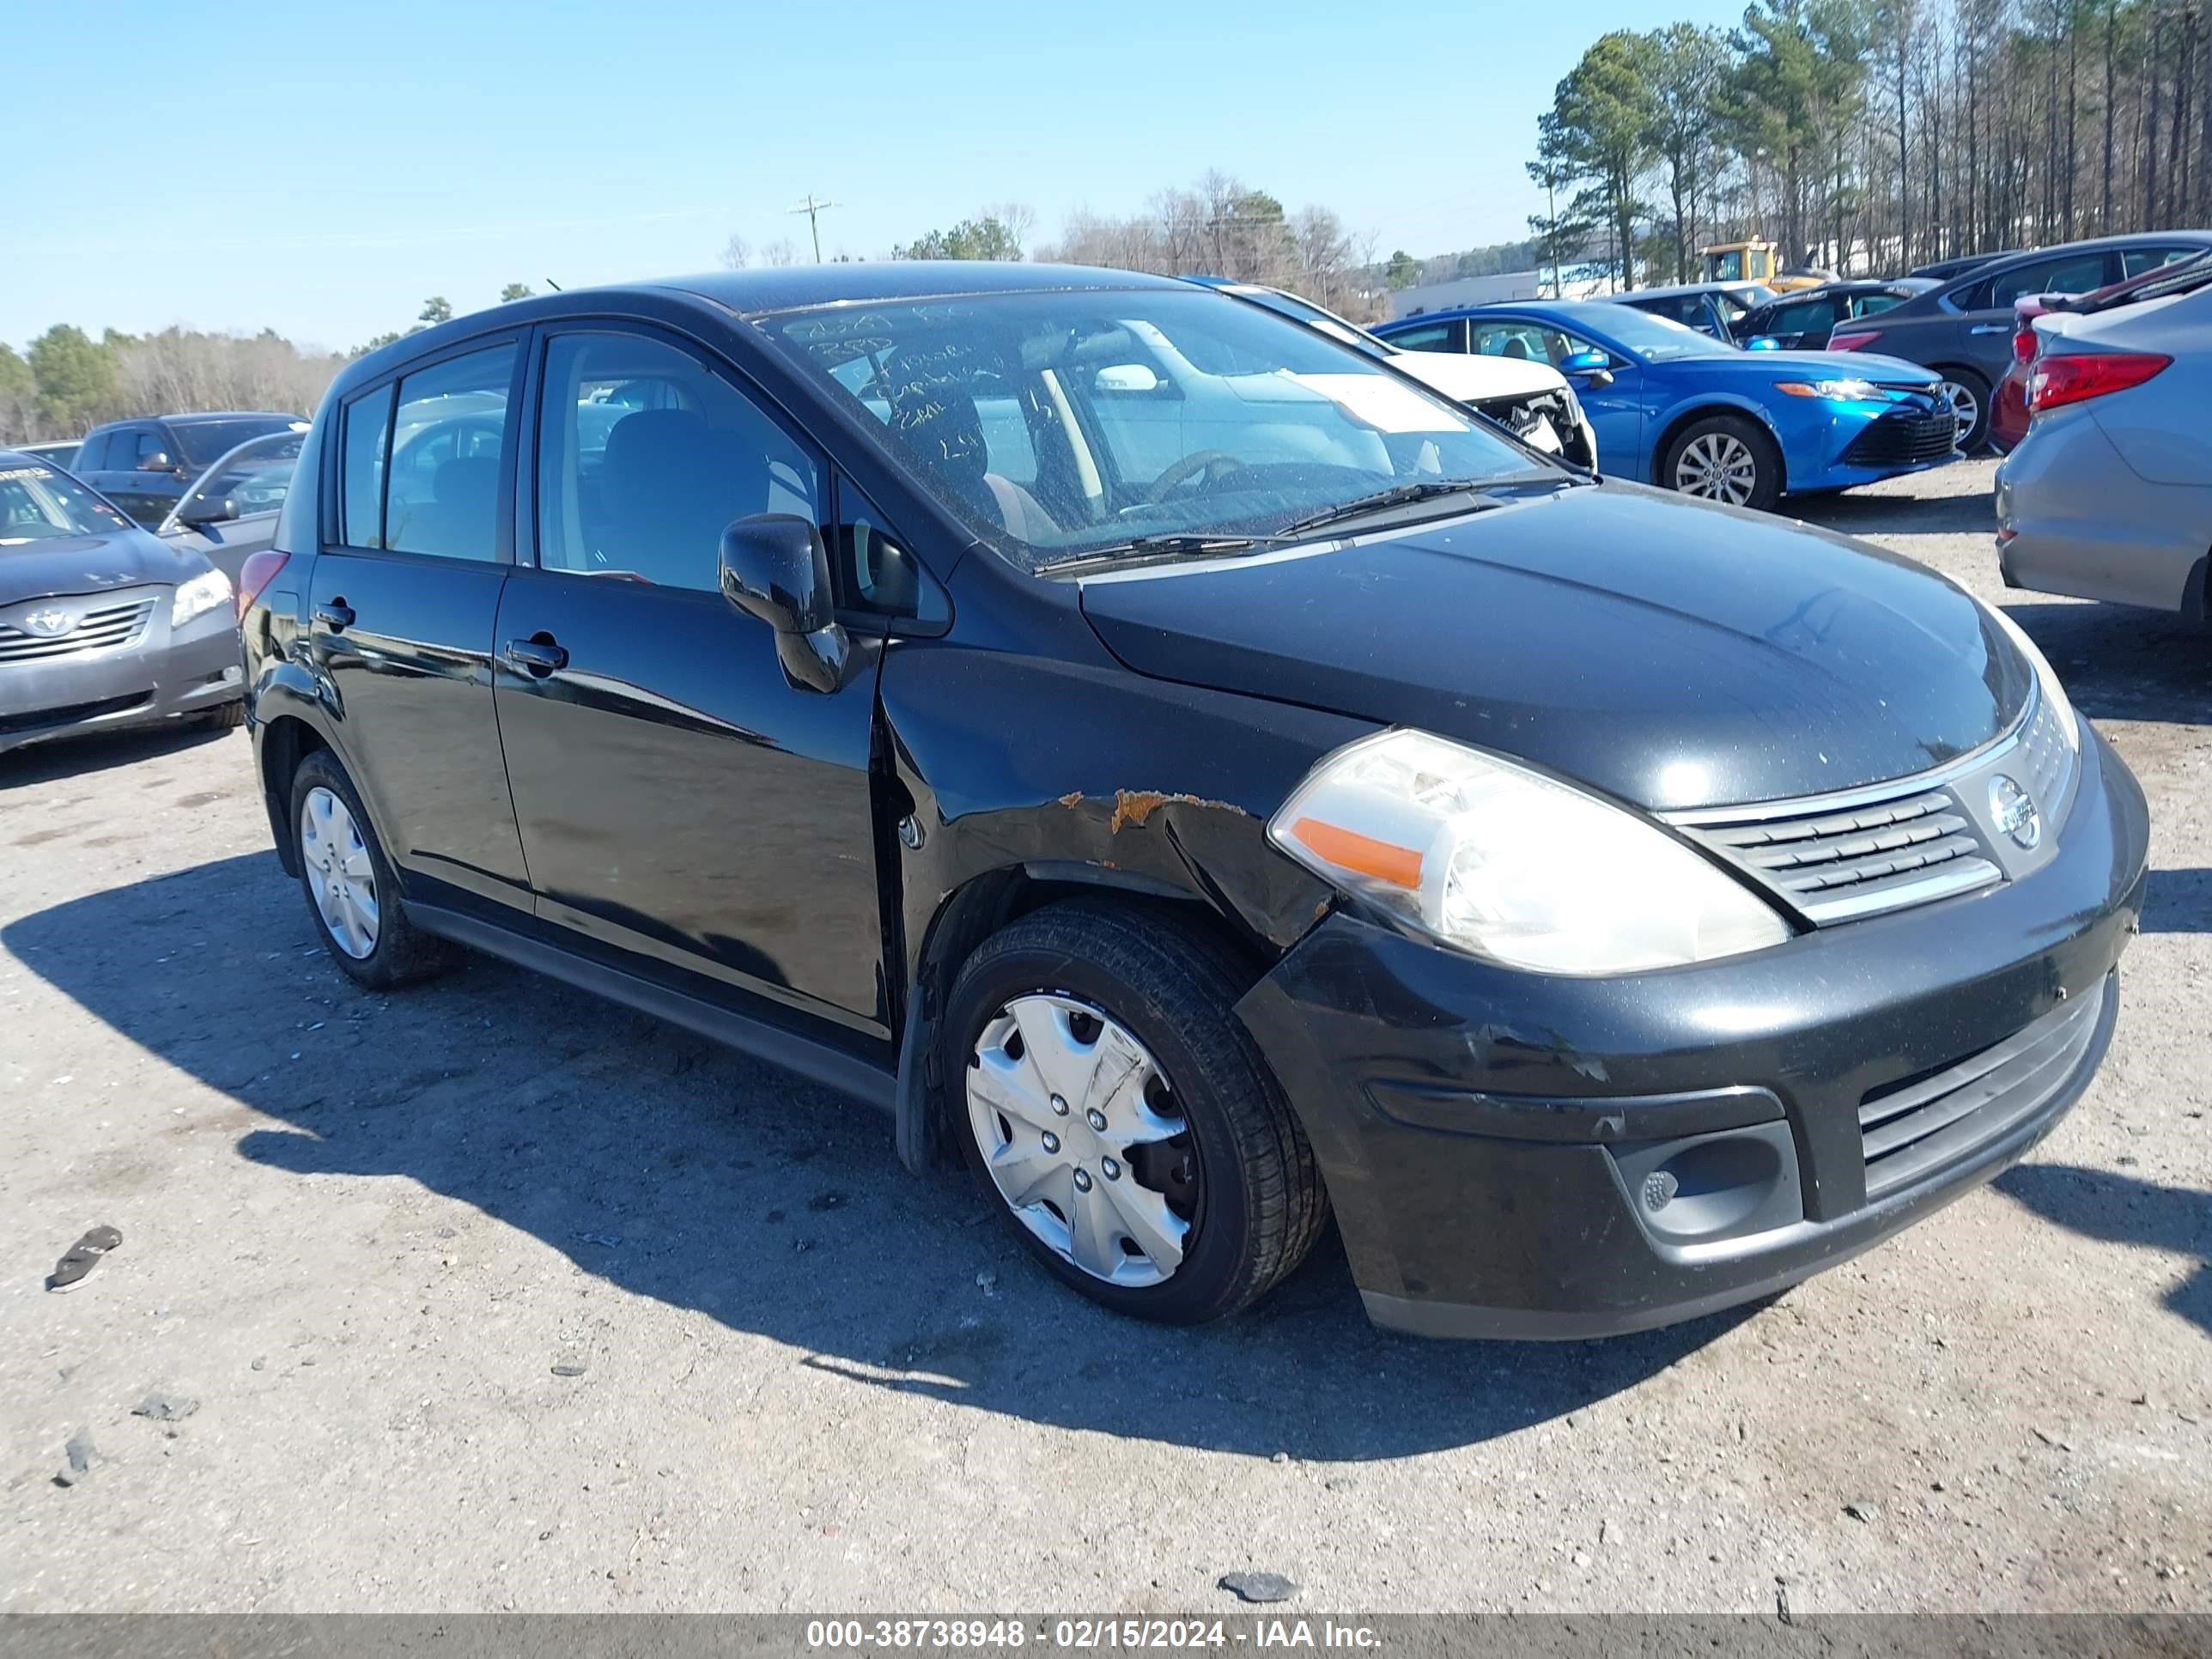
<point>160,674</point>
<point>1518,1156</point>
<point>2074,518</point>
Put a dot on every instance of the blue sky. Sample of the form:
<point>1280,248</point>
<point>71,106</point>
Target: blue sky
<point>321,168</point>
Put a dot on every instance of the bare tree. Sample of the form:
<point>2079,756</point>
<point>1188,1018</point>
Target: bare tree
<point>737,253</point>
<point>1019,219</point>
<point>780,252</point>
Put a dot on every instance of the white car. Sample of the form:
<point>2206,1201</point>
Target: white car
<point>1530,399</point>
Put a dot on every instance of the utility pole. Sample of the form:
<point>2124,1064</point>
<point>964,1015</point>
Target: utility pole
<point>813,209</point>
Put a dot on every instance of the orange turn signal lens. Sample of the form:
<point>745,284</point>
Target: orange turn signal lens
<point>1348,849</point>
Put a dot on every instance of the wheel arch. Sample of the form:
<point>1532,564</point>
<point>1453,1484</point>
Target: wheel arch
<point>1719,404</point>
<point>971,914</point>
<point>282,741</point>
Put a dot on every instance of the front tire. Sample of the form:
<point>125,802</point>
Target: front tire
<point>1122,1119</point>
<point>351,896</point>
<point>1726,458</point>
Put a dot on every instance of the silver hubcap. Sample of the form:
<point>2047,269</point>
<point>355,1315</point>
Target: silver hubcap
<point>1719,467</point>
<point>1083,1139</point>
<point>339,875</point>
<point>1966,406</point>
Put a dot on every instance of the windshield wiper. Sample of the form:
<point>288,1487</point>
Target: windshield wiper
<point>1140,547</point>
<point>1402,494</point>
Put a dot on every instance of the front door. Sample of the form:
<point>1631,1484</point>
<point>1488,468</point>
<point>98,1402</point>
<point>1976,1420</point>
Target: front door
<point>403,601</point>
<point>679,799</point>
<point>1615,410</point>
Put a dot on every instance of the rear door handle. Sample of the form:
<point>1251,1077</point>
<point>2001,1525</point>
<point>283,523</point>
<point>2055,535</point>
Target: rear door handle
<point>539,655</point>
<point>337,615</point>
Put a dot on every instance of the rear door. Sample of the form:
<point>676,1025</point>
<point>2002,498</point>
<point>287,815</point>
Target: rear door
<point>680,800</point>
<point>403,601</point>
<point>1986,318</point>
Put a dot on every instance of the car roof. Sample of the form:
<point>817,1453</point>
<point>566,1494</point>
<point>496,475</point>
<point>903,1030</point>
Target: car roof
<point>792,288</point>
<point>1677,289</point>
<point>1991,266</point>
<point>190,416</point>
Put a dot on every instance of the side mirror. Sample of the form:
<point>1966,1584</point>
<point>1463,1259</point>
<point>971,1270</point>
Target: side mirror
<point>775,568</point>
<point>158,461</point>
<point>1762,343</point>
<point>1585,362</point>
<point>209,509</point>
<point>1125,378</point>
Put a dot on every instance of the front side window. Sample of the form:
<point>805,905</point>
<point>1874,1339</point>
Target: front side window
<point>2135,261</point>
<point>2077,274</point>
<point>256,475</point>
<point>1060,425</point>
<point>442,492</point>
<point>644,456</point>
<point>92,453</point>
<point>1525,341</point>
<point>149,448</point>
<point>1655,338</point>
<point>1870,305</point>
<point>204,442</point>
<point>38,504</point>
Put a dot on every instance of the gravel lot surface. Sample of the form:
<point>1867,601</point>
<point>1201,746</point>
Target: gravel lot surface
<point>492,1296</point>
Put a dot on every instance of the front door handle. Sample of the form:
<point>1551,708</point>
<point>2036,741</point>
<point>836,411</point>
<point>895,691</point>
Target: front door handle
<point>1989,328</point>
<point>337,615</point>
<point>538,655</point>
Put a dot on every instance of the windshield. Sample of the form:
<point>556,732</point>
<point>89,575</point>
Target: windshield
<point>205,441</point>
<point>1658,339</point>
<point>1056,424</point>
<point>37,503</point>
<point>1306,312</point>
<point>256,475</point>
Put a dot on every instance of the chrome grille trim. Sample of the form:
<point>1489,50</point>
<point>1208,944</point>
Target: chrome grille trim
<point>101,628</point>
<point>1855,852</point>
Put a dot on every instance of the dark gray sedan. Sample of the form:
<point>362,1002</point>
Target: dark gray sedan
<point>229,514</point>
<point>102,624</point>
<point>1963,329</point>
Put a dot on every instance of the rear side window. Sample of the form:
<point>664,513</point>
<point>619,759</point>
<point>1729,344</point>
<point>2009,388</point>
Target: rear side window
<point>1431,336</point>
<point>367,432</point>
<point>448,435</point>
<point>1805,316</point>
<point>644,455</point>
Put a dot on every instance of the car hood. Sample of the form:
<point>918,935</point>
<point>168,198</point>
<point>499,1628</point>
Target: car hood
<point>1478,379</point>
<point>1670,653</point>
<point>64,565</point>
<point>1833,365</point>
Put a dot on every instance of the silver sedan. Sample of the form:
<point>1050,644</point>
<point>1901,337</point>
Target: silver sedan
<point>2110,495</point>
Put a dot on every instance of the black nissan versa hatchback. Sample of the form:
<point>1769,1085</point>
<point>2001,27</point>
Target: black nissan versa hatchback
<point>1198,776</point>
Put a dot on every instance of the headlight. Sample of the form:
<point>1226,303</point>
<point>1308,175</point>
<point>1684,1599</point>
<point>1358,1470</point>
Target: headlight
<point>1841,391</point>
<point>2046,677</point>
<point>1489,858</point>
<point>199,596</point>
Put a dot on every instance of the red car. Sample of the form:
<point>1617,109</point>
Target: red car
<point>2009,411</point>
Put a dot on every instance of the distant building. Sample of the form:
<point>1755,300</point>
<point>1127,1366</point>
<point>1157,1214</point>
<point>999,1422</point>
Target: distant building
<point>1481,290</point>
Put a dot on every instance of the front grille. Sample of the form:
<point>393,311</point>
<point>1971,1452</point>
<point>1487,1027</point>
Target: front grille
<point>1913,1128</point>
<point>1876,855</point>
<point>70,713</point>
<point>1904,439</point>
<point>100,628</point>
<point>1886,847</point>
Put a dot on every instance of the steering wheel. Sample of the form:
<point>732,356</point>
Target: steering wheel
<point>1214,463</point>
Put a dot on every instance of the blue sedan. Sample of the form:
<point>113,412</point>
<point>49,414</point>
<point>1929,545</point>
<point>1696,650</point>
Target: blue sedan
<point>1675,408</point>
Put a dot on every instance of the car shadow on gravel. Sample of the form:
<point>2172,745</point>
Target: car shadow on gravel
<point>2121,1209</point>
<point>678,1171</point>
<point>2118,662</point>
<point>103,751</point>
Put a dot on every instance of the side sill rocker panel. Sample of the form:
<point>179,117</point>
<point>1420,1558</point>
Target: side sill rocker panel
<point>818,1061</point>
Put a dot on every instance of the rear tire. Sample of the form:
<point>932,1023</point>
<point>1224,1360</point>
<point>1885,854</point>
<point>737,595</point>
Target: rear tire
<point>1965,386</point>
<point>1723,457</point>
<point>230,716</point>
<point>352,898</point>
<point>1103,987</point>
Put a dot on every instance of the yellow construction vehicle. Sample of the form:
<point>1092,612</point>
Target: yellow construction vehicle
<point>1757,262</point>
